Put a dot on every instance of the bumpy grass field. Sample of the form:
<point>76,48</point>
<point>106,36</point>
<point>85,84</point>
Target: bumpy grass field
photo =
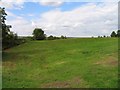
<point>69,63</point>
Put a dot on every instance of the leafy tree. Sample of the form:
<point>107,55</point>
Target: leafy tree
<point>62,37</point>
<point>9,38</point>
<point>113,34</point>
<point>118,33</point>
<point>38,34</point>
<point>5,29</point>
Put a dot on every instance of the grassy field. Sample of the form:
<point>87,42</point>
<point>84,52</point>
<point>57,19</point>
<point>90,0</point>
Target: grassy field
<point>73,63</point>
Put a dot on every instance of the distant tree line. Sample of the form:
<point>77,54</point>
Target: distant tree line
<point>113,34</point>
<point>38,34</point>
<point>54,37</point>
<point>9,38</point>
<point>103,36</point>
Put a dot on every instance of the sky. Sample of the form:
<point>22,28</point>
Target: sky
<point>57,17</point>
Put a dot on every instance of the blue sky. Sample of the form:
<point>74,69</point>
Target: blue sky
<point>78,19</point>
<point>36,9</point>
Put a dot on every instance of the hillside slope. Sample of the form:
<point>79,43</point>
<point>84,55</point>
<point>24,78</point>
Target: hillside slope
<point>76,63</point>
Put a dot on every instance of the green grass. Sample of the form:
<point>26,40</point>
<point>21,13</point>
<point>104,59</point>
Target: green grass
<point>73,63</point>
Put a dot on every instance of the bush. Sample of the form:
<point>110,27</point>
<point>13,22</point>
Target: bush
<point>51,37</point>
<point>63,37</point>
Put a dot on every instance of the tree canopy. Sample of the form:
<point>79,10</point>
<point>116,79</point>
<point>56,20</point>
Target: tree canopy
<point>118,33</point>
<point>9,38</point>
<point>38,34</point>
<point>113,34</point>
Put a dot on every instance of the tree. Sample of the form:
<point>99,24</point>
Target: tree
<point>104,36</point>
<point>38,34</point>
<point>51,37</point>
<point>98,36</point>
<point>56,37</point>
<point>5,29</point>
<point>118,33</point>
<point>9,39</point>
<point>113,34</point>
<point>63,37</point>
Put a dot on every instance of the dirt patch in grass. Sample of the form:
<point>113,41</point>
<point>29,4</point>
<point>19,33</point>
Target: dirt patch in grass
<point>57,85</point>
<point>74,82</point>
<point>9,64</point>
<point>112,61</point>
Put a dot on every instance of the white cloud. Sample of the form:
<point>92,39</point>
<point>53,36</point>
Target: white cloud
<point>54,3</point>
<point>12,4</point>
<point>20,25</point>
<point>87,20</point>
<point>18,4</point>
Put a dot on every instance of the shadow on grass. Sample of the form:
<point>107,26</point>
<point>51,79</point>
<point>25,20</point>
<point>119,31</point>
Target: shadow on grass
<point>19,55</point>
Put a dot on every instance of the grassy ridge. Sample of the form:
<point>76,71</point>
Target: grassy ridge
<point>82,62</point>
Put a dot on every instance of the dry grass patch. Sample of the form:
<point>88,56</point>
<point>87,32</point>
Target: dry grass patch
<point>109,61</point>
<point>55,64</point>
<point>73,83</point>
<point>9,64</point>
